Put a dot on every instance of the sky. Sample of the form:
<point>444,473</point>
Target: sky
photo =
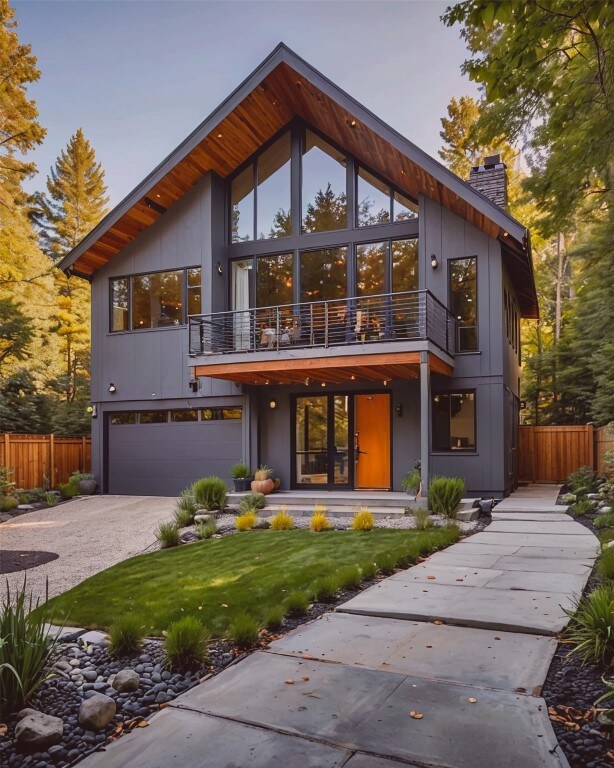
<point>138,76</point>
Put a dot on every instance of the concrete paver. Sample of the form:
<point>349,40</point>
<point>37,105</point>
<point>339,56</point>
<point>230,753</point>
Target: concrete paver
<point>566,541</point>
<point>551,517</point>
<point>520,611</point>
<point>545,525</point>
<point>370,711</point>
<point>89,534</point>
<point>433,572</point>
<point>537,581</point>
<point>502,660</point>
<point>542,564</point>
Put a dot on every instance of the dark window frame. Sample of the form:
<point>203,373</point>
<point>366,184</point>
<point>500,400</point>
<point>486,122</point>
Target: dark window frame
<point>449,393</point>
<point>460,351</point>
<point>184,298</point>
<point>392,187</point>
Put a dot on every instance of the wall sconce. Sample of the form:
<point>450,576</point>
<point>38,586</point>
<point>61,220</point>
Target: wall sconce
<point>193,384</point>
<point>399,409</point>
<point>220,269</point>
<point>272,403</point>
<point>434,261</point>
<point>93,411</point>
<point>112,389</point>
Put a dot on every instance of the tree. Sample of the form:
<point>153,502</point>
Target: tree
<point>23,408</point>
<point>75,200</point>
<point>327,211</point>
<point>16,332</point>
<point>19,129</point>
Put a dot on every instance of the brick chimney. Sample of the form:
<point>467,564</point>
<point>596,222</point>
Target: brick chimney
<point>491,180</point>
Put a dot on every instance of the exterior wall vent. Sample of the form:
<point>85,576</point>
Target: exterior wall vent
<point>490,179</point>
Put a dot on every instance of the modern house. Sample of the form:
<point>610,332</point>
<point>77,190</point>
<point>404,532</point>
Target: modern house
<point>299,285</point>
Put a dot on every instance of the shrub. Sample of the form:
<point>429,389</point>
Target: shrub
<point>262,525</point>
<point>24,649</point>
<point>186,503</point>
<point>125,636</point>
<point>77,476</point>
<point>7,503</point>
<point>274,618</point>
<point>607,461</point>
<point>240,471</point>
<point>210,493</point>
<point>423,518</point>
<point>411,482</point>
<point>206,530</point>
<point>184,643</point>
<point>282,521</point>
<point>445,494</point>
<point>369,570</point>
<point>349,577</point>
<point>244,631</point>
<point>605,564</point>
<point>386,564</point>
<point>591,628</point>
<point>582,478</point>
<point>605,521</point>
<point>183,518</point>
<point>168,535</point>
<point>68,491</point>
<point>252,501</point>
<point>325,589</point>
<point>297,604</point>
<point>6,484</point>
<point>51,499</point>
<point>246,522</point>
<point>582,507</point>
<point>363,520</point>
<point>319,522</point>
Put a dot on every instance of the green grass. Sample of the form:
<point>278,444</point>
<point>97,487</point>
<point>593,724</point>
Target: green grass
<point>219,579</point>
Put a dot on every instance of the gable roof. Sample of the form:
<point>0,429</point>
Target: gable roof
<point>285,86</point>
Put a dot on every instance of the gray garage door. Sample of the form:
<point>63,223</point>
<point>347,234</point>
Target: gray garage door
<point>159,453</point>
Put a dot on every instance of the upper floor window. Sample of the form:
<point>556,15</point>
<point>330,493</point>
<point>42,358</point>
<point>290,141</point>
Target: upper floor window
<point>464,302</point>
<point>324,186</point>
<point>377,203</point>
<point>155,300</point>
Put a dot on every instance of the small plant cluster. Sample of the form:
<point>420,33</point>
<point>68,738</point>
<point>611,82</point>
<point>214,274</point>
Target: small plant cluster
<point>445,495</point>
<point>363,520</point>
<point>282,521</point>
<point>240,471</point>
<point>319,520</point>
<point>208,493</point>
<point>411,482</point>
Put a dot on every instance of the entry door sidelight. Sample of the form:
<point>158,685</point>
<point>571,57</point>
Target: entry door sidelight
<point>323,455</point>
<point>372,441</point>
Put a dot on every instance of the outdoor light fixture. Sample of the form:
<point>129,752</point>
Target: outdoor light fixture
<point>93,411</point>
<point>434,261</point>
<point>112,388</point>
<point>307,380</point>
<point>193,384</point>
<point>399,409</point>
<point>219,268</point>
<point>272,403</point>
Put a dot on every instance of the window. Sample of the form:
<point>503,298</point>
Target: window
<point>404,208</point>
<point>454,421</point>
<point>324,274</point>
<point>226,414</point>
<point>273,212</point>
<point>405,265</point>
<point>184,415</point>
<point>153,417</point>
<point>274,280</point>
<point>155,300</point>
<point>371,261</point>
<point>123,418</point>
<point>324,191</point>
<point>373,200</point>
<point>242,205</point>
<point>463,302</point>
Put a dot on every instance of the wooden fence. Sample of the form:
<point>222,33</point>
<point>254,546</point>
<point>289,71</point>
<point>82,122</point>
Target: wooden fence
<point>549,454</point>
<point>40,459</point>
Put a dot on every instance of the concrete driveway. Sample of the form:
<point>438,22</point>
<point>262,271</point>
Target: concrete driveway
<point>89,534</point>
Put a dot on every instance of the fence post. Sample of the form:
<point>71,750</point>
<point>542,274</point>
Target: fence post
<point>7,447</point>
<point>82,462</point>
<point>52,461</point>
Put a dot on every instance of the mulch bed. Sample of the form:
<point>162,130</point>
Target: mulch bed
<point>15,560</point>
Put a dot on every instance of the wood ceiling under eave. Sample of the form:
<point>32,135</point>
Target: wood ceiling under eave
<point>281,96</point>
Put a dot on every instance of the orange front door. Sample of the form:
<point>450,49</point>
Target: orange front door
<point>372,441</point>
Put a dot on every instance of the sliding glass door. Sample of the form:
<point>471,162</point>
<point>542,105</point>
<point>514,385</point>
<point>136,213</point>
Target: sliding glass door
<point>322,441</point>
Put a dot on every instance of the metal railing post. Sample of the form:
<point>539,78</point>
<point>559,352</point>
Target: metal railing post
<point>326,325</point>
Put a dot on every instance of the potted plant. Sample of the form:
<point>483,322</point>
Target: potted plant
<point>241,476</point>
<point>84,481</point>
<point>262,482</point>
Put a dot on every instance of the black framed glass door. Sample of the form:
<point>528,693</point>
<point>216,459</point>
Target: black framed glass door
<point>323,450</point>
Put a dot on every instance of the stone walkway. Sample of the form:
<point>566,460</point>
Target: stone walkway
<point>89,534</point>
<point>439,665</point>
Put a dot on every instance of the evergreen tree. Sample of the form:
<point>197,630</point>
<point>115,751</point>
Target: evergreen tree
<point>23,408</point>
<point>15,332</point>
<point>327,211</point>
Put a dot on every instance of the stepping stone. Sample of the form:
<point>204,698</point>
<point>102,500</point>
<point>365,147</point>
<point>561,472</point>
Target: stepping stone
<point>540,527</point>
<point>517,611</point>
<point>483,547</point>
<point>550,517</point>
<point>461,558</point>
<point>455,654</point>
<point>564,541</point>
<point>578,554</point>
<point>543,564</point>
<point>177,738</point>
<point>432,572</point>
<point>369,711</point>
<point>537,581</point>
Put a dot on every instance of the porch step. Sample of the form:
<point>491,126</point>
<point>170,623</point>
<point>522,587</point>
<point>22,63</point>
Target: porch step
<point>353,499</point>
<point>332,512</point>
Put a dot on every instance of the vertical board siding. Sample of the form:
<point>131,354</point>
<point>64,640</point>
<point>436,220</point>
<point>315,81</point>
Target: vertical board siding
<point>549,454</point>
<point>44,460</point>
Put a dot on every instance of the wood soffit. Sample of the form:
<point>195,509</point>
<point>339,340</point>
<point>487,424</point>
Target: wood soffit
<point>279,97</point>
<point>328,370</point>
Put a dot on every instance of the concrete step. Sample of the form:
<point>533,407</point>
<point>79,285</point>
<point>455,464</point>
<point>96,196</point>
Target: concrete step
<point>333,498</point>
<point>332,512</point>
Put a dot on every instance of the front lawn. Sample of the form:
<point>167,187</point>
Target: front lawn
<point>220,578</point>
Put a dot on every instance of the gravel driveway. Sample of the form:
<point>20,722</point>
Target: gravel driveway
<point>89,534</point>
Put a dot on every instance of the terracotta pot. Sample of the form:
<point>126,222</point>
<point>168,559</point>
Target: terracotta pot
<point>263,486</point>
<point>276,483</point>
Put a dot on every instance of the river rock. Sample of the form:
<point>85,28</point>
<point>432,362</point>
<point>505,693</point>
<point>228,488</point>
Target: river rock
<point>37,732</point>
<point>96,712</point>
<point>126,681</point>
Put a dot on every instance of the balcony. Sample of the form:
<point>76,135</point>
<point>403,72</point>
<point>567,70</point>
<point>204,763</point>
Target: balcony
<point>385,333</point>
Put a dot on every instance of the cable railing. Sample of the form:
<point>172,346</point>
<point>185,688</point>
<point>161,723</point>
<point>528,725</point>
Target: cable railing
<point>408,316</point>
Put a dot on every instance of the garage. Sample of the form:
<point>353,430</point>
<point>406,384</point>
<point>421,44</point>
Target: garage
<point>161,452</point>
